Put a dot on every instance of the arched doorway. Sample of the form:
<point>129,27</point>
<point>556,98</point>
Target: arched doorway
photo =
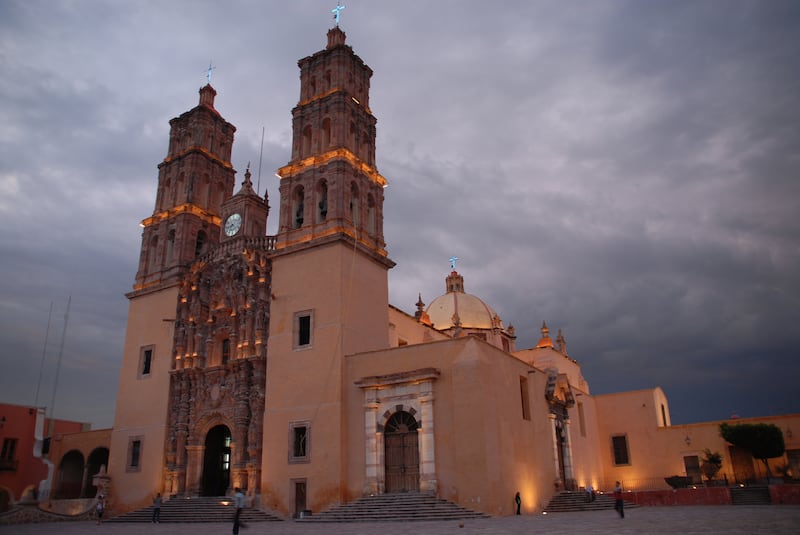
<point>97,459</point>
<point>217,462</point>
<point>401,449</point>
<point>70,475</point>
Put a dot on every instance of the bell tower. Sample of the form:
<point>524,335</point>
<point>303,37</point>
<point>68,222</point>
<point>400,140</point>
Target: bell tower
<point>331,186</point>
<point>193,181</point>
<point>330,292</point>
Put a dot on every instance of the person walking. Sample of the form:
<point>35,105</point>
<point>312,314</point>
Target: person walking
<point>238,500</point>
<point>618,501</point>
<point>100,508</point>
<point>157,509</point>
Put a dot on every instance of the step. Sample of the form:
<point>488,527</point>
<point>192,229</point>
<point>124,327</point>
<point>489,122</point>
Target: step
<point>755,495</point>
<point>196,510</point>
<point>570,501</point>
<point>401,507</point>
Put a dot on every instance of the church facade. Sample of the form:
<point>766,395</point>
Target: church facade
<point>276,363</point>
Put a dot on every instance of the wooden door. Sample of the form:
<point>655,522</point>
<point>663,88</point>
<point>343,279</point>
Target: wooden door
<point>401,454</point>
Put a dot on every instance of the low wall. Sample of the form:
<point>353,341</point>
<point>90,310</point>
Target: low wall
<point>779,494</point>
<point>785,494</point>
<point>697,496</point>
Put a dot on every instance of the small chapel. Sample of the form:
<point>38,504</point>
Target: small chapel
<point>276,364</point>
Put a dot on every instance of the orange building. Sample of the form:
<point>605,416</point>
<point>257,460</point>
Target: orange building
<point>276,364</point>
<point>23,466</point>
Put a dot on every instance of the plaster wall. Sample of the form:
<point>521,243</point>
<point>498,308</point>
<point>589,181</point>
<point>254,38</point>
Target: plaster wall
<point>142,401</point>
<point>484,450</point>
<point>347,292</point>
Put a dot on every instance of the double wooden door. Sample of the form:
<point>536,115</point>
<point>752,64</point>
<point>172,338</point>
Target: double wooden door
<point>402,454</point>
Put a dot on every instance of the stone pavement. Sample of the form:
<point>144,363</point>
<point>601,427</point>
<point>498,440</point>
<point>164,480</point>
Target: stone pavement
<point>684,520</point>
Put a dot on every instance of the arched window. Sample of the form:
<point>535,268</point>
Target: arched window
<point>207,196</point>
<point>200,244</point>
<point>326,133</point>
<point>352,138</point>
<point>327,80</point>
<point>170,247</point>
<point>177,193</point>
<point>322,205</point>
<point>226,351</point>
<point>355,208</point>
<point>152,254</point>
<point>306,142</point>
<point>364,147</point>
<point>299,208</point>
<point>401,422</point>
<point>371,214</point>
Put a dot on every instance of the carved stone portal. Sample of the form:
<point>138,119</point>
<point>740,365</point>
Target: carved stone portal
<point>219,371</point>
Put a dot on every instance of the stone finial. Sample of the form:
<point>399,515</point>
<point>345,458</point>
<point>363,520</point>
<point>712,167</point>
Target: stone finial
<point>207,94</point>
<point>420,308</point>
<point>336,37</point>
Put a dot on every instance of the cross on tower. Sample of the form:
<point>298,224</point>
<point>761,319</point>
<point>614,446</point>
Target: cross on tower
<point>337,12</point>
<point>453,262</point>
<point>208,72</point>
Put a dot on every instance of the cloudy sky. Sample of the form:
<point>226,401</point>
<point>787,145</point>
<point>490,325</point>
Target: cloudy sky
<point>627,171</point>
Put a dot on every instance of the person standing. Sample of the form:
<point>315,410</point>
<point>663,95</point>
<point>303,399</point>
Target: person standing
<point>518,500</point>
<point>157,509</point>
<point>100,507</point>
<point>238,500</point>
<point>618,501</point>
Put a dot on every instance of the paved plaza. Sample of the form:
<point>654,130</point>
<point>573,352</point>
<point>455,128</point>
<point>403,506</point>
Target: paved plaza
<point>698,519</point>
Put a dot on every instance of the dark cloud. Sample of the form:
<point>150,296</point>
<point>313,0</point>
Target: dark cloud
<point>626,171</point>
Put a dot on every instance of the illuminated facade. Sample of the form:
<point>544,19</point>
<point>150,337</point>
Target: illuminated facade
<point>276,364</point>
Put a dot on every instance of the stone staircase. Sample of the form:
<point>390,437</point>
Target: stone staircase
<point>402,507</point>
<point>755,495</point>
<point>568,501</point>
<point>190,510</point>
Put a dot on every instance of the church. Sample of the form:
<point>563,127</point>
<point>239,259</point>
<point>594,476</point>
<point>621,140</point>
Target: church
<point>276,363</point>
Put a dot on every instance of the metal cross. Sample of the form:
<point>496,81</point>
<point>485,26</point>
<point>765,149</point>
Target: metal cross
<point>208,72</point>
<point>453,262</point>
<point>337,12</point>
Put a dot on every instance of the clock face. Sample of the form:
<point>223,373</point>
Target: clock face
<point>232,224</point>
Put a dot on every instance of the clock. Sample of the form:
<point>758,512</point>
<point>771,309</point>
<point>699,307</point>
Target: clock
<point>232,224</point>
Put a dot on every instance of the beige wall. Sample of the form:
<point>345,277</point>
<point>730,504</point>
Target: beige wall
<point>404,329</point>
<point>347,293</point>
<point>484,450</point>
<point>142,401</point>
<point>657,451</point>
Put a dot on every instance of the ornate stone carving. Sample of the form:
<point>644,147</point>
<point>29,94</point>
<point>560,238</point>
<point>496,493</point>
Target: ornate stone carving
<point>223,305</point>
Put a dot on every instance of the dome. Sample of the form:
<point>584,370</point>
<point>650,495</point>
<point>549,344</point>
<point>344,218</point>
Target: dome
<point>471,311</point>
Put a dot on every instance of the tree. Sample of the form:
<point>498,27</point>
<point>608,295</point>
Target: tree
<point>712,463</point>
<point>763,441</point>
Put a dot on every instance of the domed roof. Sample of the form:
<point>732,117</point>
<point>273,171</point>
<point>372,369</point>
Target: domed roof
<point>472,312</point>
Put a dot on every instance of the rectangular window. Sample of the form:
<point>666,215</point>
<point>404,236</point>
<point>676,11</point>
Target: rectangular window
<point>299,442</point>
<point>619,444</point>
<point>146,360</point>
<point>8,463</point>
<point>134,454</point>
<point>581,420</point>
<point>523,392</point>
<point>302,329</point>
